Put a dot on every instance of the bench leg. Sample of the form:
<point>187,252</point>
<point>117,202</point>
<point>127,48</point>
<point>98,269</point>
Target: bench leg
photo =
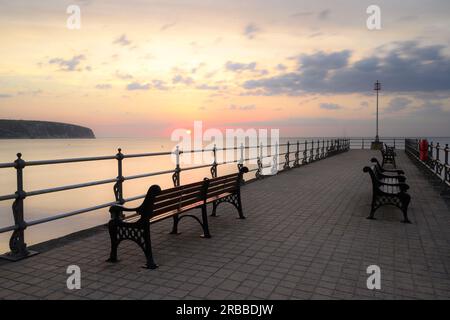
<point>114,242</point>
<point>213,214</point>
<point>372,209</point>
<point>176,219</point>
<point>239,206</point>
<point>405,203</point>
<point>205,226</point>
<point>148,250</point>
<point>372,214</point>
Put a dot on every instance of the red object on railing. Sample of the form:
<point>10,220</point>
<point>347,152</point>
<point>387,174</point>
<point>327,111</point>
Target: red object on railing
<point>423,147</point>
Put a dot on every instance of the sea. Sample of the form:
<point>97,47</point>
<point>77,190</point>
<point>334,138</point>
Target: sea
<point>56,175</point>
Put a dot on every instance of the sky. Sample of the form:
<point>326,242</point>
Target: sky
<point>144,68</point>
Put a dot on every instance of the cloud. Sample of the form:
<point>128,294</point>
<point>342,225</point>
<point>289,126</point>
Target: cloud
<point>30,92</point>
<point>159,84</point>
<point>103,86</point>
<point>207,87</point>
<point>404,67</point>
<point>68,64</point>
<point>251,30</point>
<point>302,14</point>
<point>324,14</point>
<point>5,95</point>
<point>122,40</point>
<point>398,104</point>
<point>182,79</point>
<point>137,86</point>
<point>167,26</point>
<point>242,108</point>
<point>281,67</point>
<point>238,67</point>
<point>330,106</point>
<point>123,76</point>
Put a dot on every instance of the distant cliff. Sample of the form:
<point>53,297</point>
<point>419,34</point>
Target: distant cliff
<point>28,129</point>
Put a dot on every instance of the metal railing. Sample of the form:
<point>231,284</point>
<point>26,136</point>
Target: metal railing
<point>365,143</point>
<point>311,151</point>
<point>436,159</point>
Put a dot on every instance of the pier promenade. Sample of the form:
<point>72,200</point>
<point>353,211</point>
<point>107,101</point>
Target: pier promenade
<point>306,236</point>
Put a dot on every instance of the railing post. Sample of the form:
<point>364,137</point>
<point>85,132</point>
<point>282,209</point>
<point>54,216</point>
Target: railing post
<point>241,163</point>
<point>305,153</point>
<point>176,174</point>
<point>118,186</point>
<point>363,144</point>
<point>317,157</point>
<point>258,173</point>
<point>241,159</point>
<point>446,170</point>
<point>430,155</point>
<point>394,143</point>
<point>297,156</point>
<point>286,158</point>
<point>323,149</point>
<point>311,152</point>
<point>328,148</point>
<point>437,166</point>
<point>274,169</point>
<point>214,164</point>
<point>17,243</point>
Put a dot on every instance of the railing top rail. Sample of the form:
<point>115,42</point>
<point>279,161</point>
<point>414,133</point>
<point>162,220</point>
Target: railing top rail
<point>148,154</point>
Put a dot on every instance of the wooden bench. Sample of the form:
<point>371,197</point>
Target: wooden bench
<point>386,175</point>
<point>173,203</point>
<point>388,154</point>
<point>385,193</point>
<point>386,171</point>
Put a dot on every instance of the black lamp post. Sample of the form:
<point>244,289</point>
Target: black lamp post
<point>377,144</point>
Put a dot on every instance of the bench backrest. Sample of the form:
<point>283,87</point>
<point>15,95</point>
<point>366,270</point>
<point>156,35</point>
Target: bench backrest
<point>159,201</point>
<point>228,183</point>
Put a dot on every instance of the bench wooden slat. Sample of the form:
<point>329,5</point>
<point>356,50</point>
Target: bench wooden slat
<point>167,201</point>
<point>176,205</point>
<point>176,211</point>
<point>214,182</point>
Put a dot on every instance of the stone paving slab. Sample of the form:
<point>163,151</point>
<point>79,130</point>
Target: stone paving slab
<point>305,237</point>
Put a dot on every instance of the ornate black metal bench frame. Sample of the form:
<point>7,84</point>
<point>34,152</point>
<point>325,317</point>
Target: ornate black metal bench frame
<point>388,154</point>
<point>173,203</point>
<point>226,189</point>
<point>384,193</point>
<point>384,170</point>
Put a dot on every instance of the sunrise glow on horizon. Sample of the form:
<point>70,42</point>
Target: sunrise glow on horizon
<point>144,68</point>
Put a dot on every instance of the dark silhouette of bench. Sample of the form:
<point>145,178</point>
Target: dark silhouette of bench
<point>384,170</point>
<point>388,190</point>
<point>388,154</point>
<point>173,203</point>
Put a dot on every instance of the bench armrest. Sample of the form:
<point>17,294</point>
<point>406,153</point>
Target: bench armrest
<point>122,208</point>
<point>117,211</point>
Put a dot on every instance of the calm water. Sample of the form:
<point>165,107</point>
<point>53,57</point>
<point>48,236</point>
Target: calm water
<point>48,176</point>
